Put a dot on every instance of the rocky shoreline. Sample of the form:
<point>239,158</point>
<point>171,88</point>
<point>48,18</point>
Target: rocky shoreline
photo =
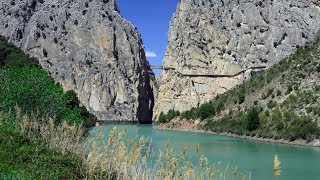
<point>299,142</point>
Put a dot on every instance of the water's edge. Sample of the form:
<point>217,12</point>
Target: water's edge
<point>252,156</point>
<point>299,142</point>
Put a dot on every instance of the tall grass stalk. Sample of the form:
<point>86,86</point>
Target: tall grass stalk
<point>119,157</point>
<point>276,166</point>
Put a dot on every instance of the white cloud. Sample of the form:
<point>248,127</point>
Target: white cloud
<point>151,54</point>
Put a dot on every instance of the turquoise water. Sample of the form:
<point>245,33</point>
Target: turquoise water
<point>255,158</point>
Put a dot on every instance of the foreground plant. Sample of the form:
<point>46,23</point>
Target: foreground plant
<point>119,157</point>
<point>133,159</point>
<point>276,166</point>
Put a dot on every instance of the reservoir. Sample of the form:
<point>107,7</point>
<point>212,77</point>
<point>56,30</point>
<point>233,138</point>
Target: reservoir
<point>253,158</point>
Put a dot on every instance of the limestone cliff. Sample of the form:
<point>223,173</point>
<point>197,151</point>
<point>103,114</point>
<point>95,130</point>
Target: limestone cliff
<point>86,46</point>
<point>224,37</point>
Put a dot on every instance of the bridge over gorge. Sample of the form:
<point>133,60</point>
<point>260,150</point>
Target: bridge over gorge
<point>211,75</point>
<point>162,67</point>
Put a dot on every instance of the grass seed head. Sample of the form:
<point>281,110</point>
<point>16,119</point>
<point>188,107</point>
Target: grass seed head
<point>276,166</point>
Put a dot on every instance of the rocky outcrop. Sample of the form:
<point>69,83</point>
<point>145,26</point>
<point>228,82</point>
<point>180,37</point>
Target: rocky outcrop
<point>86,46</point>
<point>224,37</point>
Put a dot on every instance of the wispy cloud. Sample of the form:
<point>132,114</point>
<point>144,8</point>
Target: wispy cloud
<point>151,54</point>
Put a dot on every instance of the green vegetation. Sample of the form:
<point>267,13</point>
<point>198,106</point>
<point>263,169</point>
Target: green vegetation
<point>293,114</point>
<point>170,115</point>
<point>25,84</point>
<point>22,158</point>
<point>252,119</point>
<point>162,118</point>
<point>12,56</point>
<point>277,124</point>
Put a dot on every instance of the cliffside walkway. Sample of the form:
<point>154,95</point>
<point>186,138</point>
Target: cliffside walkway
<point>211,75</point>
<point>162,67</point>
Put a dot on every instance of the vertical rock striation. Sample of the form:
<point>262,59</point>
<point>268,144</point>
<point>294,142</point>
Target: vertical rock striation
<point>225,37</point>
<point>86,46</point>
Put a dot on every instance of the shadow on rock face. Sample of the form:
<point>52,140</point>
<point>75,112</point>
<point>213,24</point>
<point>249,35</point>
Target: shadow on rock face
<point>146,100</point>
<point>317,37</point>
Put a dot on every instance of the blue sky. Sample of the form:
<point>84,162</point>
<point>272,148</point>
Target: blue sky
<point>152,18</point>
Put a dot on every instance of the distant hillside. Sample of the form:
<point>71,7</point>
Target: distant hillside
<point>282,102</point>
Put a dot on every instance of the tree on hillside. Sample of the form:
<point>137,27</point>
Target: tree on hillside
<point>206,110</point>
<point>162,118</point>
<point>71,99</point>
<point>253,120</point>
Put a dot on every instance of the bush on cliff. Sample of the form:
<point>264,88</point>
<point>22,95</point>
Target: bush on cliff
<point>252,119</point>
<point>162,118</point>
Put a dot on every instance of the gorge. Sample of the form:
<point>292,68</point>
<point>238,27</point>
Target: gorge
<point>71,71</point>
<point>104,61</point>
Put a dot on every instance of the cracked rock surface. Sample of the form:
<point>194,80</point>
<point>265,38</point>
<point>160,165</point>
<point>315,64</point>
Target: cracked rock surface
<point>86,46</point>
<point>225,37</point>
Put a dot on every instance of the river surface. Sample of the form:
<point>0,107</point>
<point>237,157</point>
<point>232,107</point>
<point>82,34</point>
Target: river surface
<point>253,158</point>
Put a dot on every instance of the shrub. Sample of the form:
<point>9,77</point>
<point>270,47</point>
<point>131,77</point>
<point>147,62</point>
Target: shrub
<point>301,75</point>
<point>309,109</point>
<point>206,110</point>
<point>71,99</point>
<point>318,68</point>
<point>289,88</point>
<point>14,57</point>
<point>271,104</point>
<point>194,113</point>
<point>253,119</point>
<point>162,118</point>
<point>219,107</point>
<point>90,119</point>
<point>316,111</point>
<point>305,128</point>
<point>241,96</point>
<point>185,115</point>
<point>267,113</point>
<point>279,93</point>
<point>269,92</point>
<point>172,114</point>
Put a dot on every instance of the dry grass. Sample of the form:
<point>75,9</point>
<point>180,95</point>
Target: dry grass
<point>120,157</point>
<point>64,138</point>
<point>276,166</point>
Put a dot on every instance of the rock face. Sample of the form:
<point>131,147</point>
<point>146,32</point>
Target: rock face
<point>225,37</point>
<point>88,47</point>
